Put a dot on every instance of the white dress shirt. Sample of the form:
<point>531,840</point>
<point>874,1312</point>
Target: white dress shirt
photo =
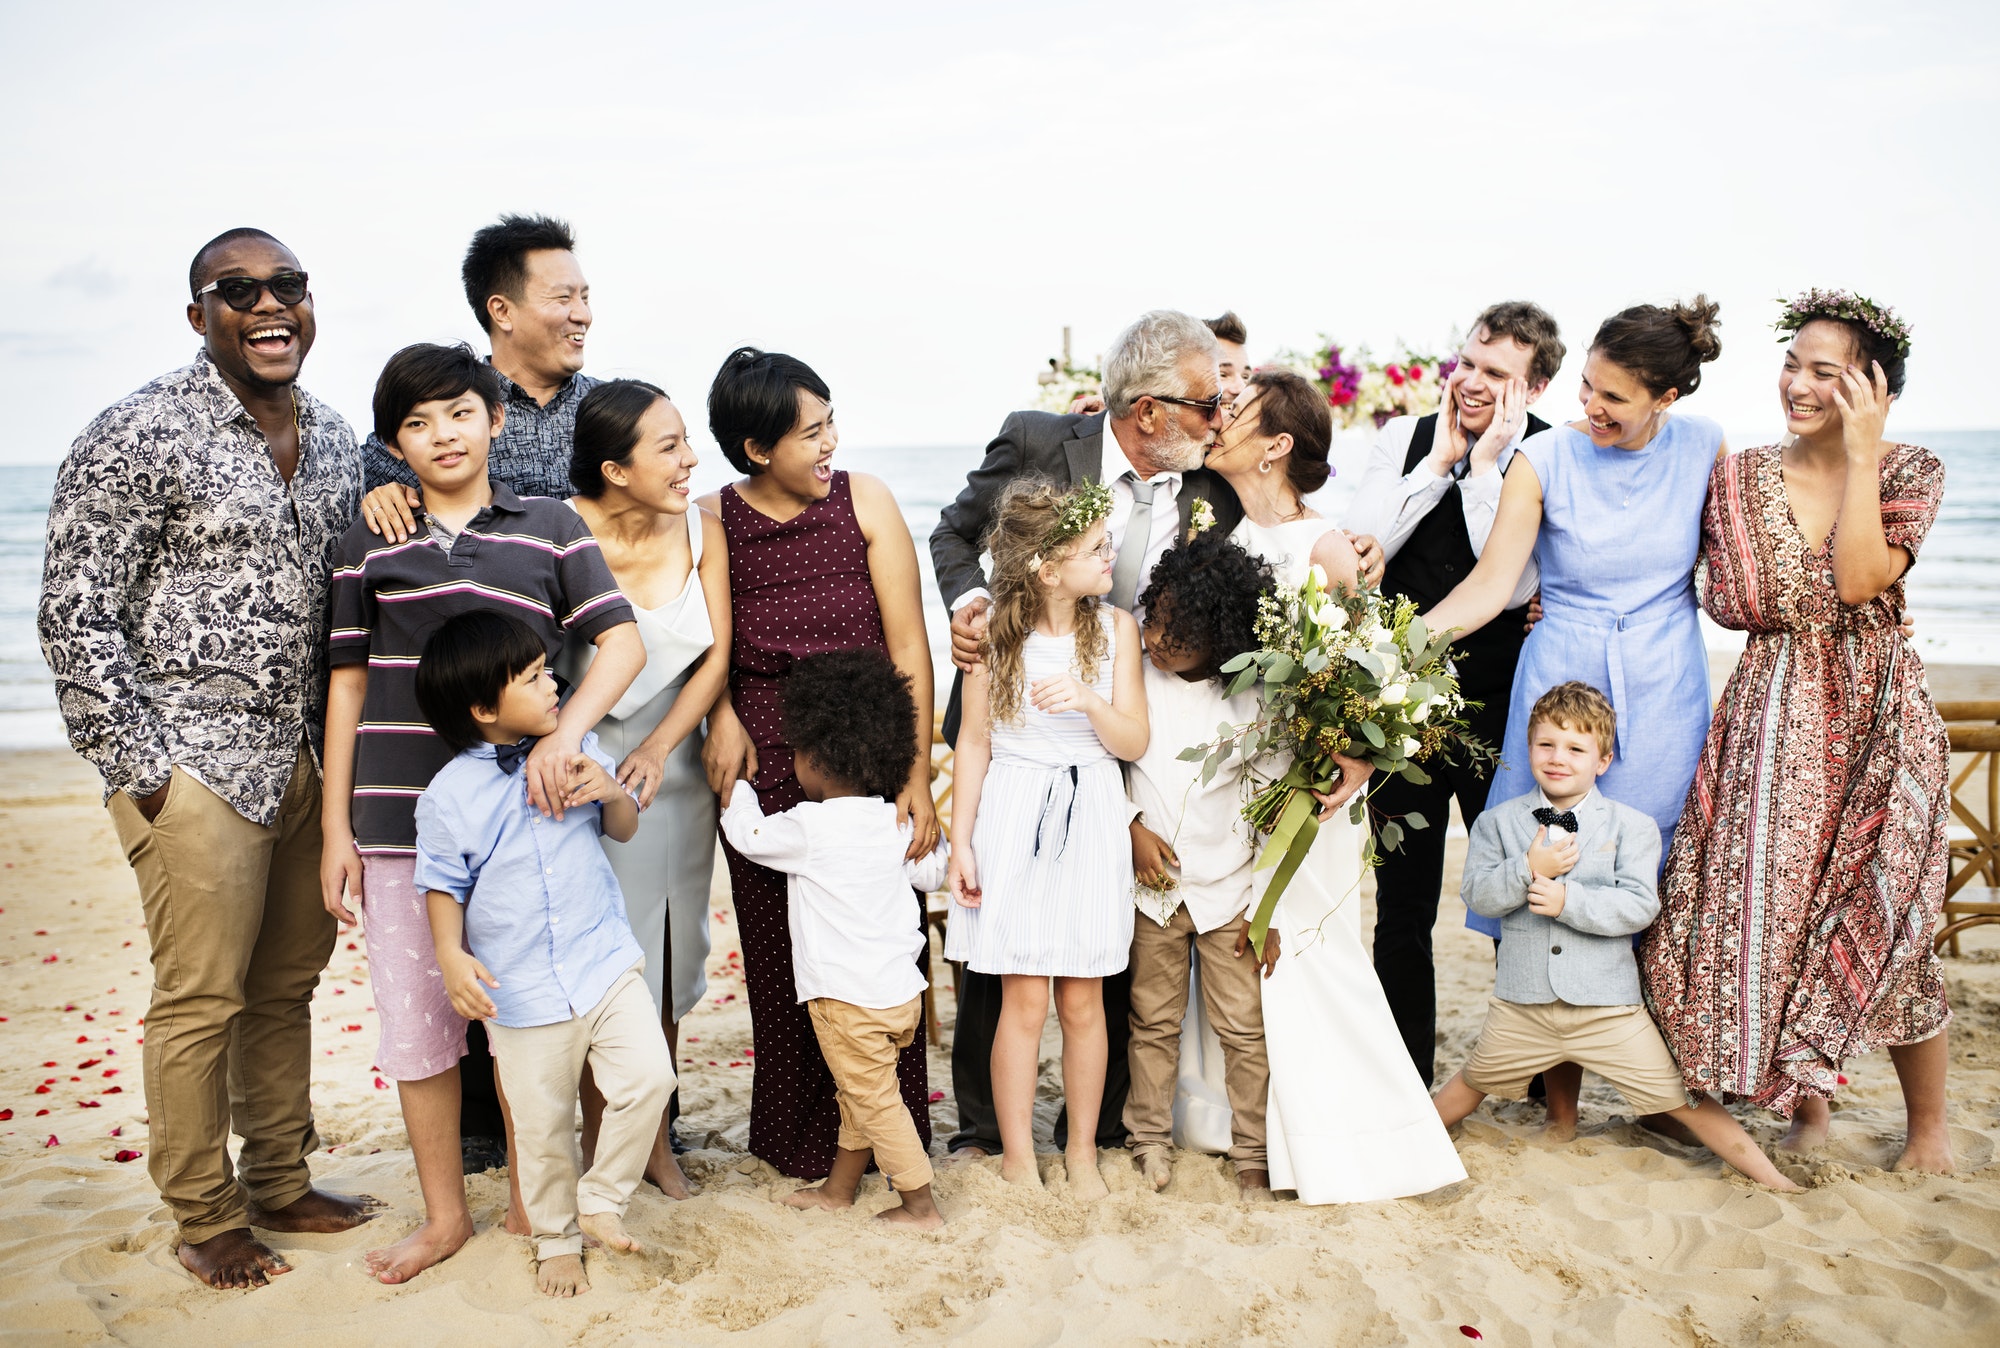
<point>856,928</point>
<point>1119,475</point>
<point>1391,503</point>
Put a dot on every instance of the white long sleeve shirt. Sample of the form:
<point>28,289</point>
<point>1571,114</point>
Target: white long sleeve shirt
<point>1391,503</point>
<point>856,927</point>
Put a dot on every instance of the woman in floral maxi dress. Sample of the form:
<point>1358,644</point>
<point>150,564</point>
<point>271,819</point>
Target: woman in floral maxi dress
<point>1805,880</point>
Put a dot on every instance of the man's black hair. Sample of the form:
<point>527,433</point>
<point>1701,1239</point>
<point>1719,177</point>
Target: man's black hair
<point>852,713</point>
<point>198,269</point>
<point>496,262</point>
<point>466,663</point>
<point>427,372</point>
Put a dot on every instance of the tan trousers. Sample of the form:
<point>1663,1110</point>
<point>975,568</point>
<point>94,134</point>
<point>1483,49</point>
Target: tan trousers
<point>540,1067</point>
<point>860,1045</point>
<point>239,937</point>
<point>1235,1005</point>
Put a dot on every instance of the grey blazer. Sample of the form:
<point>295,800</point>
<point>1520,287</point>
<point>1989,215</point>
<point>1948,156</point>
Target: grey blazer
<point>1583,957</point>
<point>1065,449</point>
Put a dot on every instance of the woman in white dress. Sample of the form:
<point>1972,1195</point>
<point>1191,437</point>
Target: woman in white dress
<point>1347,1119</point>
<point>631,468</point>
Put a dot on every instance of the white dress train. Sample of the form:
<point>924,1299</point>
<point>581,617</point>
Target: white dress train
<point>1348,1119</point>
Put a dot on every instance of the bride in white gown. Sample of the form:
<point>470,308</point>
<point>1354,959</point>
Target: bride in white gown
<point>1348,1119</point>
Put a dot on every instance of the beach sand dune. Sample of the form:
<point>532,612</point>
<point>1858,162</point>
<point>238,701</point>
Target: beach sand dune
<point>1619,1237</point>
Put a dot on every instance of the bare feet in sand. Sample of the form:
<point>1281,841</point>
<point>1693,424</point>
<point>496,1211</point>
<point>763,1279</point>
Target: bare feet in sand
<point>608,1230</point>
<point>1027,1173</point>
<point>318,1211</point>
<point>1084,1182</point>
<point>562,1276</point>
<point>516,1221</point>
<point>916,1208</point>
<point>817,1197</point>
<point>969,1153</point>
<point>1253,1184</point>
<point>665,1174</point>
<point>235,1258</point>
<point>1152,1162</point>
<point>431,1243</point>
<point>1929,1152</point>
<point>1811,1122</point>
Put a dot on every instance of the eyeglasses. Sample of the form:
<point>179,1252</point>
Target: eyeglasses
<point>241,292</point>
<point>1103,549</point>
<point>1208,407</point>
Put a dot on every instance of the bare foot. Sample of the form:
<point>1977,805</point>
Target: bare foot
<point>1929,1153</point>
<point>1559,1130</point>
<point>1084,1182</point>
<point>431,1243</point>
<point>1026,1173</point>
<point>1152,1162</point>
<point>516,1222</point>
<point>970,1152</point>
<point>1254,1183</point>
<point>562,1276</point>
<point>1811,1122</point>
<point>1666,1125</point>
<point>903,1216</point>
<point>665,1174</point>
<point>817,1197</point>
<point>235,1258</point>
<point>608,1230</point>
<point>319,1211</point>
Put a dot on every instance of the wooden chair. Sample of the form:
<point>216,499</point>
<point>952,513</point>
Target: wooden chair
<point>937,905</point>
<point>1974,728</point>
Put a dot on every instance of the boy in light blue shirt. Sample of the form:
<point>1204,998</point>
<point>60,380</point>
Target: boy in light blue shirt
<point>532,936</point>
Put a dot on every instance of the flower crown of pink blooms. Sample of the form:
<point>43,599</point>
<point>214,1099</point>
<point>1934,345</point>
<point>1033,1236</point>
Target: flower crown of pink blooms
<point>1879,319</point>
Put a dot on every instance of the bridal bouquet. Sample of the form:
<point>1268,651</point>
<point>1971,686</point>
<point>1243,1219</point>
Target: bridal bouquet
<point>1354,674</point>
<point>1362,389</point>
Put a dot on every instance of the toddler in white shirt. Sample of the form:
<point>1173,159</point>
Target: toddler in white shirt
<point>857,928</point>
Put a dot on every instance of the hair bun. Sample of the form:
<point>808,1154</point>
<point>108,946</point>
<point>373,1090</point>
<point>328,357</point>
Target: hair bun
<point>1700,317</point>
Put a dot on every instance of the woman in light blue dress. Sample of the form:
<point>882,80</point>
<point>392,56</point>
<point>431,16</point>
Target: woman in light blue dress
<point>1610,508</point>
<point>631,467</point>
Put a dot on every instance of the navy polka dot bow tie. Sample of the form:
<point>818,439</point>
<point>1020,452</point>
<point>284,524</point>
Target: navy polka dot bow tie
<point>512,756</point>
<point>1545,815</point>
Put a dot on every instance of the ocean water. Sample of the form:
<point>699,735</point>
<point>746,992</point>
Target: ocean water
<point>1954,589</point>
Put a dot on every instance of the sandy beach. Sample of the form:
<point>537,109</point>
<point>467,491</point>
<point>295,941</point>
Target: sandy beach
<point>1619,1237</point>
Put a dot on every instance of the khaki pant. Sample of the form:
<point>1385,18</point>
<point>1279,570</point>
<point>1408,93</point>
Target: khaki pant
<point>1619,1043</point>
<point>1235,1005</point>
<point>239,938</point>
<point>860,1045</point>
<point>540,1067</point>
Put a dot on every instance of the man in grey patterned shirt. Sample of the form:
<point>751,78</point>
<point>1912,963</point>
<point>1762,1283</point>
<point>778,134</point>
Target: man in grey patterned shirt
<point>524,284</point>
<point>184,615</point>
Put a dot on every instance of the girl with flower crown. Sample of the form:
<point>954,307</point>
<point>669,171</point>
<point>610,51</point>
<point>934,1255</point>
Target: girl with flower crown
<point>1806,878</point>
<point>1041,867</point>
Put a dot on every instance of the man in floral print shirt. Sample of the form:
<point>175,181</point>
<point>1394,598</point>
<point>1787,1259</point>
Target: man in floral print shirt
<point>183,612</point>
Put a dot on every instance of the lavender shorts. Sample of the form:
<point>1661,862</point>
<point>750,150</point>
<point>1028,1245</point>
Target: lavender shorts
<point>421,1034</point>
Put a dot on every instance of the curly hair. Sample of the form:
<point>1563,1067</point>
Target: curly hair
<point>1579,707</point>
<point>1027,511</point>
<point>1202,599</point>
<point>852,713</point>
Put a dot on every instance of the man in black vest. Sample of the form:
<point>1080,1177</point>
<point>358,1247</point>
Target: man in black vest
<point>1430,494</point>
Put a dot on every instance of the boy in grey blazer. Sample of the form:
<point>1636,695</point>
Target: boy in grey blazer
<point>1572,876</point>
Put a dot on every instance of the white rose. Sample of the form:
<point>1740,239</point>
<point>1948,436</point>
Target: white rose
<point>1410,747</point>
<point>1395,694</point>
<point>1421,712</point>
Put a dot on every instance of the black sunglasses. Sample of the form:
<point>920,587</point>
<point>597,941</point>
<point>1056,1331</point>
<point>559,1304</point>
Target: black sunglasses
<point>1208,407</point>
<point>240,292</point>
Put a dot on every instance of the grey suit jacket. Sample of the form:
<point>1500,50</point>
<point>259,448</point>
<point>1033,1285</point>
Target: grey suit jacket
<point>1065,449</point>
<point>1583,957</point>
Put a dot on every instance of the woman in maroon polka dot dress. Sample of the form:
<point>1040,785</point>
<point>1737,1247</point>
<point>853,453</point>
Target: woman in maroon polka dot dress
<point>818,561</point>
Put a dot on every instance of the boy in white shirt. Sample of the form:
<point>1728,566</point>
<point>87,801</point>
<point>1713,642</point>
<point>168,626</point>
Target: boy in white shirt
<point>856,928</point>
<point>1193,855</point>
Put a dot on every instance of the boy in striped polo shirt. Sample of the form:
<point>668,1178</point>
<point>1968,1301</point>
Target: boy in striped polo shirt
<point>477,546</point>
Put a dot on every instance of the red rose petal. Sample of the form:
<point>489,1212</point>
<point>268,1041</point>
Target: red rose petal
<point>53,1141</point>
<point>88,1062</point>
<point>349,1029</point>
<point>1841,1079</point>
<point>48,959</point>
<point>380,1084</point>
<point>111,1071</point>
<point>83,1039</point>
<point>936,1096</point>
<point>48,1064</point>
<point>119,1131</point>
<point>128,1155</point>
<point>70,1006</point>
<point>88,1016</point>
<point>6,1114</point>
<point>40,1112</point>
<point>42,1089</point>
<point>114,1090</point>
<point>90,1104</point>
<point>1470,1332</point>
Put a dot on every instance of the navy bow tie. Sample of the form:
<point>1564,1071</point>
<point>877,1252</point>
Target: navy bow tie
<point>512,756</point>
<point>1545,815</point>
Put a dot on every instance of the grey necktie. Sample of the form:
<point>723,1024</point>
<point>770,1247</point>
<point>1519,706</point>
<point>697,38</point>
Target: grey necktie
<point>1125,575</point>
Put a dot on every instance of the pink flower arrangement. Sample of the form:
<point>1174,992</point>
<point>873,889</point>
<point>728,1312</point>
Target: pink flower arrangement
<point>1361,389</point>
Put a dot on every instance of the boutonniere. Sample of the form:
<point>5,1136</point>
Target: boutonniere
<point>1200,519</point>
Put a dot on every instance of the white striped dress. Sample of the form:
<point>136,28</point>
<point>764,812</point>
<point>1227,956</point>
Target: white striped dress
<point>1053,853</point>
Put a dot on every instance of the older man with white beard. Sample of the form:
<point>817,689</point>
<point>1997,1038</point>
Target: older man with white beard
<point>1163,410</point>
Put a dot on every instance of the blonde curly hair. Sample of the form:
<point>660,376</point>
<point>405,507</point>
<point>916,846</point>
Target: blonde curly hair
<point>1027,514</point>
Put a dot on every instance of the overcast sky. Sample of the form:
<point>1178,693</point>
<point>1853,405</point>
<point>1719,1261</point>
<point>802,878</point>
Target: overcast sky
<point>916,198</point>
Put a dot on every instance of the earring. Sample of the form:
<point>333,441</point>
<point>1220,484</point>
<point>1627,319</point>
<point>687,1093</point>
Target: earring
<point>1264,467</point>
